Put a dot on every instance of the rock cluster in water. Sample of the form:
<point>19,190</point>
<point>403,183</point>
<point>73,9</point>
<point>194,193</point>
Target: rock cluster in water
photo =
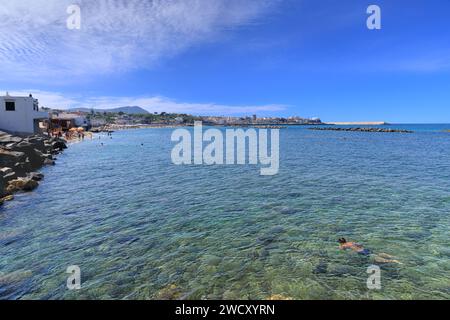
<point>21,157</point>
<point>361,129</point>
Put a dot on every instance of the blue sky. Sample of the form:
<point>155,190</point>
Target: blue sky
<point>269,57</point>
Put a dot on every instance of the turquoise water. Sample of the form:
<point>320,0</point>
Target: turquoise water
<point>142,228</point>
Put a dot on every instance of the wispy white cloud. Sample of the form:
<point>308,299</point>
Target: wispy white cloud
<point>150,103</point>
<point>115,35</point>
<point>163,104</point>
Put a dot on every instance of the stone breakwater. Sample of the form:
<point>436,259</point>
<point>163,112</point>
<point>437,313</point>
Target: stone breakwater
<point>20,158</point>
<point>363,130</point>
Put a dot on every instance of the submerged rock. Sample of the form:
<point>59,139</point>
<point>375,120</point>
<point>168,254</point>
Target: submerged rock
<point>171,292</point>
<point>127,239</point>
<point>270,236</point>
<point>7,238</point>
<point>212,260</point>
<point>288,211</point>
<point>342,271</point>
<point>14,277</point>
<point>279,297</point>
<point>322,267</point>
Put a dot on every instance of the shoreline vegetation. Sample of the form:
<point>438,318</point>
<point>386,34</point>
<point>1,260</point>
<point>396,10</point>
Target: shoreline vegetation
<point>20,160</point>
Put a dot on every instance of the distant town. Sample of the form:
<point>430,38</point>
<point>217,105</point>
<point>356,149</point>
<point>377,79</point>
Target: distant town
<point>136,116</point>
<point>24,116</point>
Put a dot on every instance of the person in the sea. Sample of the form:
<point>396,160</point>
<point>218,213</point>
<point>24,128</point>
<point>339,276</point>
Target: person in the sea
<point>358,248</point>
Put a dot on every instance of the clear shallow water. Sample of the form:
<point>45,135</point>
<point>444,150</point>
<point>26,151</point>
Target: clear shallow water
<point>142,228</point>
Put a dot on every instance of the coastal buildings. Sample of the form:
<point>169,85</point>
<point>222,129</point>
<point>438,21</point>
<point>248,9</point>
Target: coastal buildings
<point>21,115</point>
<point>254,120</point>
<point>66,121</point>
<point>98,122</point>
<point>63,120</point>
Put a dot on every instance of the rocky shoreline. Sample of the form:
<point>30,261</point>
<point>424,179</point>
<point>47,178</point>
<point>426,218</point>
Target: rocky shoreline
<point>362,130</point>
<point>20,158</point>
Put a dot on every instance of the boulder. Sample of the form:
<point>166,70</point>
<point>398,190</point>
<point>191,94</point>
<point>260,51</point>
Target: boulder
<point>49,162</point>
<point>35,157</point>
<point>21,184</point>
<point>21,157</point>
<point>2,187</point>
<point>36,176</point>
<point>5,171</point>
<point>59,145</point>
<point>10,176</point>
<point>37,142</point>
<point>9,158</point>
<point>7,138</point>
<point>22,168</point>
<point>48,156</point>
<point>6,198</point>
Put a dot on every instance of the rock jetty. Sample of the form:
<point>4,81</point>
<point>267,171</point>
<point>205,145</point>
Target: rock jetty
<point>361,130</point>
<point>20,158</point>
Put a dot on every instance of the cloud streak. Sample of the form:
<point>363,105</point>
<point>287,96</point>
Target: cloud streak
<point>115,35</point>
<point>159,104</point>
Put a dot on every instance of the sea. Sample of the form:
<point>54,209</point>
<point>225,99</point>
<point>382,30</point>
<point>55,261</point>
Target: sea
<point>139,227</point>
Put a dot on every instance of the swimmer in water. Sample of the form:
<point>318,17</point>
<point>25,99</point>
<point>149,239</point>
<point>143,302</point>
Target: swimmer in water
<point>358,248</point>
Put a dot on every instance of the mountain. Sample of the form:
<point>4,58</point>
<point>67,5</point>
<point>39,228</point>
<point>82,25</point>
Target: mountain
<point>128,110</point>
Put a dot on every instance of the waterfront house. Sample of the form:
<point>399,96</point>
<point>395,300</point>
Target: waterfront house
<point>21,115</point>
<point>66,121</point>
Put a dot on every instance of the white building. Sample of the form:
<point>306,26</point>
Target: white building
<point>98,122</point>
<point>20,115</point>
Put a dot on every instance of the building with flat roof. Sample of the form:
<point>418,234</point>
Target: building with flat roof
<point>68,120</point>
<point>21,115</point>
